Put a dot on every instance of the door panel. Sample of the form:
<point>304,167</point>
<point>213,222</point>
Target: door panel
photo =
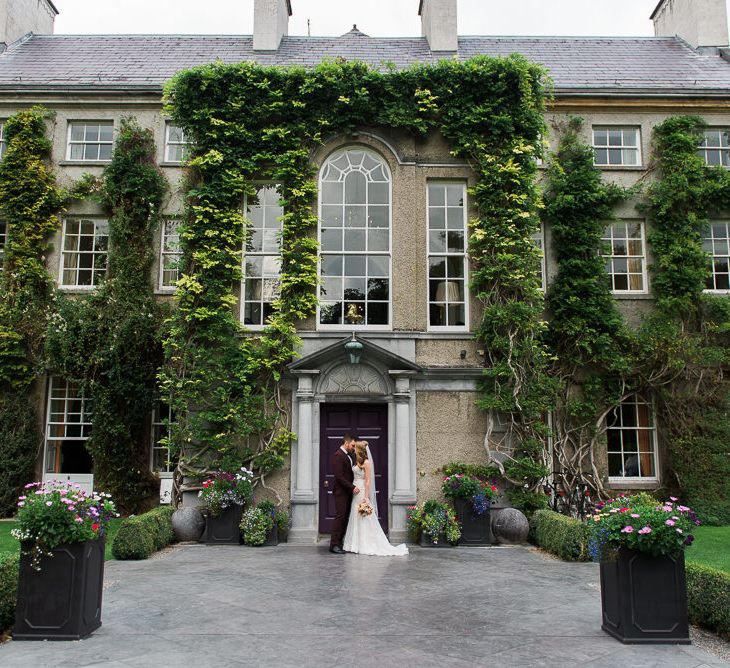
<point>367,422</point>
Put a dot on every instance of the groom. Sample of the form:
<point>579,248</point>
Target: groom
<point>343,490</point>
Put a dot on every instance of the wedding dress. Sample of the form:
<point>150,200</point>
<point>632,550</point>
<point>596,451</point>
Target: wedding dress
<point>364,534</point>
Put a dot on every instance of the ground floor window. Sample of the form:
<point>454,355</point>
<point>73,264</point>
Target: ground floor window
<point>631,436</point>
<point>160,453</point>
<point>68,427</point>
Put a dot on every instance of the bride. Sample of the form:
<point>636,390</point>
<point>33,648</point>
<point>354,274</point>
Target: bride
<point>364,535</point>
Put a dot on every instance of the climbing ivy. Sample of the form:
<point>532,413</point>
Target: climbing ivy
<point>109,342</point>
<point>249,123</point>
<point>29,203</point>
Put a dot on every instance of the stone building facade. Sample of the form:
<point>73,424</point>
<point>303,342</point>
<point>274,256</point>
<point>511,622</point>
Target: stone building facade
<point>400,288</point>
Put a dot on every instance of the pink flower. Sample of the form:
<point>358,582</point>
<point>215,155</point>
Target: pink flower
<point>635,515</point>
<point>679,531</point>
<point>667,509</point>
<point>22,498</point>
<point>670,523</point>
<point>682,509</point>
<point>645,530</point>
<point>673,498</point>
<point>21,504</point>
<point>49,503</point>
<point>628,529</point>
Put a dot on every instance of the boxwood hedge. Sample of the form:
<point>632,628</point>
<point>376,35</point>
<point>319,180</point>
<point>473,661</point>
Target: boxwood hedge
<point>139,536</point>
<point>8,590</point>
<point>564,536</point>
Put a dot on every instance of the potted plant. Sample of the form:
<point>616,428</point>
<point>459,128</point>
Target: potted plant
<point>640,544</point>
<point>433,524</point>
<point>260,525</point>
<point>61,530</point>
<point>223,496</point>
<point>472,498</point>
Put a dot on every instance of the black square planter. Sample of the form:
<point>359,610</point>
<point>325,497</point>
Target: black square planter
<point>475,529</point>
<point>223,529</point>
<point>644,598</point>
<point>62,601</point>
<point>427,541</point>
<point>272,538</point>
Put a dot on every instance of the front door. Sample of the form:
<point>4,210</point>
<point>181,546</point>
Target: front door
<point>368,422</point>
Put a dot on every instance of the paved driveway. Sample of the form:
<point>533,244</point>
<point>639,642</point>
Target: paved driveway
<point>198,606</point>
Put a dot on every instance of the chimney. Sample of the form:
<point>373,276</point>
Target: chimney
<point>699,22</point>
<point>270,23</point>
<point>19,17</point>
<point>438,24</point>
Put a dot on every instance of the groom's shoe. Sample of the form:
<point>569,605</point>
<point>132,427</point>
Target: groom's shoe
<point>336,549</point>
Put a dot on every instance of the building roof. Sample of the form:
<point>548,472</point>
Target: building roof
<point>578,65</point>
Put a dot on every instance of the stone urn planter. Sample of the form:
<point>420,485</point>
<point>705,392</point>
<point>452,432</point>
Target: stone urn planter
<point>475,529</point>
<point>223,529</point>
<point>62,601</point>
<point>644,598</point>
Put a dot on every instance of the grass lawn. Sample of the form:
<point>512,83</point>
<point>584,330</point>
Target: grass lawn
<point>8,544</point>
<point>711,548</point>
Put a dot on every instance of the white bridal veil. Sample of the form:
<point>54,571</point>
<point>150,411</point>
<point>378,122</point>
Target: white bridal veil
<point>373,492</point>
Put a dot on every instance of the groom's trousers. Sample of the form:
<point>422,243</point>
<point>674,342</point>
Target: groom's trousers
<point>342,516</point>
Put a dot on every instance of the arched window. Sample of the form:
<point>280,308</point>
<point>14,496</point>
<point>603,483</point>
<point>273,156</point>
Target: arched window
<point>355,214</point>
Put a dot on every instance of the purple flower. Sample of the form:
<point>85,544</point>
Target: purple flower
<point>689,540</point>
<point>645,531</point>
<point>628,529</point>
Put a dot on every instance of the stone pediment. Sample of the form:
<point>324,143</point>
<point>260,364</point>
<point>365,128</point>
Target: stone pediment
<point>372,354</point>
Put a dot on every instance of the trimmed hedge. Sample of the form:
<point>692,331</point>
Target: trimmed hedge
<point>708,598</point>
<point>138,537</point>
<point>563,536</point>
<point>8,590</point>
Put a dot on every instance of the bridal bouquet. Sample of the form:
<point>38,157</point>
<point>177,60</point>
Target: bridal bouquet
<point>364,508</point>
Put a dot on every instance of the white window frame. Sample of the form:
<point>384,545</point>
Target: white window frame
<point>539,239</point>
<point>99,142</point>
<point>722,149</point>
<point>168,254</point>
<point>263,254</point>
<point>65,253</point>
<point>185,144</point>
<point>84,422</point>
<point>157,425</point>
<point>636,400</point>
<point>345,326</point>
<point>464,255</point>
<point>3,141</point>
<point>709,240</point>
<point>3,241</point>
<point>608,258</point>
<point>622,147</point>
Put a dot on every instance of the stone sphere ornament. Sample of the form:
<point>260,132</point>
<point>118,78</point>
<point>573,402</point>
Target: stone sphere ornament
<point>188,524</point>
<point>510,526</point>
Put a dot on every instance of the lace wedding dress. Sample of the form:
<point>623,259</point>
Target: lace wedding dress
<point>364,534</point>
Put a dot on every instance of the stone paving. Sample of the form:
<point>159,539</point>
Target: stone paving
<point>198,606</point>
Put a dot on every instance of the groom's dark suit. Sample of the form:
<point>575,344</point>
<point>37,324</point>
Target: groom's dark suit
<point>342,491</point>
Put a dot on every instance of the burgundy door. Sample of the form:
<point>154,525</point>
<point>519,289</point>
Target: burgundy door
<point>368,422</point>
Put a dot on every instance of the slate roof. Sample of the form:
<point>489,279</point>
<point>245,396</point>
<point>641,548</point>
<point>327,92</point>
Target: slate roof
<point>578,65</point>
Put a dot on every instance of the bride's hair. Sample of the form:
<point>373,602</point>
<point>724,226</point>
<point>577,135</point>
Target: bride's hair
<point>361,452</point>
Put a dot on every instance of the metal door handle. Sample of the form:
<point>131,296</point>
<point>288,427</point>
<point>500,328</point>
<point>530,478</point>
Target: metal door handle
<point>326,483</point>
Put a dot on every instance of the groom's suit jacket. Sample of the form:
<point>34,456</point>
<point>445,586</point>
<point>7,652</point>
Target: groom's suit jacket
<point>342,468</point>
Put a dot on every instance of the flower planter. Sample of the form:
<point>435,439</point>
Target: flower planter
<point>272,538</point>
<point>644,598</point>
<point>62,601</point>
<point>475,529</point>
<point>426,540</point>
<point>223,529</point>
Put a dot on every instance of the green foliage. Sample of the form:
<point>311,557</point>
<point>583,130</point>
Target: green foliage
<point>252,123</point>
<point>708,598</point>
<point>527,500</point>
<point>256,524</point>
<point>19,444</point>
<point>109,342</point>
<point>434,519</point>
<point>476,470</point>
<point>224,489</point>
<point>563,536</point>
<point>138,537</point>
<point>8,590</point>
<point>460,486</point>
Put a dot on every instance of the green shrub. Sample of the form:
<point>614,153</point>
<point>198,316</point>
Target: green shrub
<point>476,470</point>
<point>563,536</point>
<point>708,598</point>
<point>8,590</point>
<point>140,536</point>
<point>257,522</point>
<point>19,440</point>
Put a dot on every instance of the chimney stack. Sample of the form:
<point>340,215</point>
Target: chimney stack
<point>438,24</point>
<point>701,23</point>
<point>19,17</point>
<point>270,23</point>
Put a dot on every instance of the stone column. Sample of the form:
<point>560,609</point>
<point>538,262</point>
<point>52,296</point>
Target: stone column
<point>404,489</point>
<point>304,492</point>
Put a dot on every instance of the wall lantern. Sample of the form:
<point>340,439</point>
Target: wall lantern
<point>354,349</point>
